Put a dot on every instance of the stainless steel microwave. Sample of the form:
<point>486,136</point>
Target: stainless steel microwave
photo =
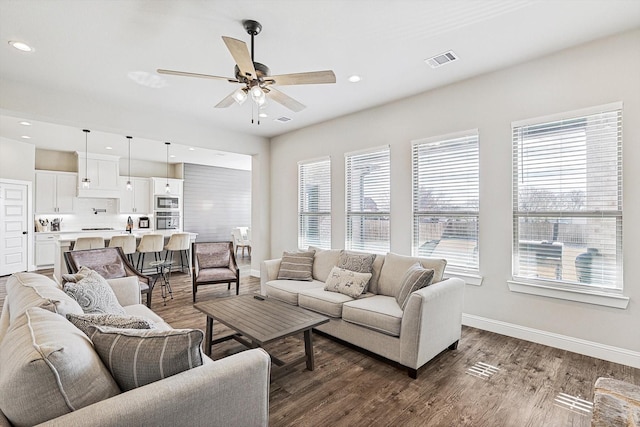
<point>166,203</point>
<point>167,220</point>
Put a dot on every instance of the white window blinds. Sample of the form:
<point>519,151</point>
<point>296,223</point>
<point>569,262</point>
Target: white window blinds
<point>446,200</point>
<point>314,204</point>
<point>567,200</point>
<point>368,203</point>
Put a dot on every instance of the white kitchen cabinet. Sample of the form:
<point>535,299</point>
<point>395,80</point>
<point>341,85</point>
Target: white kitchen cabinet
<point>45,249</point>
<point>55,192</point>
<point>138,199</point>
<point>103,171</point>
<point>159,186</point>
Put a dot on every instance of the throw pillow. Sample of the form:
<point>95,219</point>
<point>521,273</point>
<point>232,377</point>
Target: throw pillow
<point>347,282</point>
<point>296,266</point>
<point>213,259</point>
<point>83,321</point>
<point>139,357</point>
<point>415,278</point>
<point>94,294</point>
<point>358,262</point>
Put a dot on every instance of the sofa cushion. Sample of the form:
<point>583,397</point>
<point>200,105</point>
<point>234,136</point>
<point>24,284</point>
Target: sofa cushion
<point>83,321</point>
<point>49,368</point>
<point>380,313</point>
<point>26,290</point>
<point>323,262</point>
<point>347,282</point>
<point>287,290</point>
<point>136,357</point>
<point>296,266</point>
<point>376,268</point>
<point>356,261</point>
<point>324,302</point>
<point>395,266</point>
<point>415,278</point>
<point>94,294</point>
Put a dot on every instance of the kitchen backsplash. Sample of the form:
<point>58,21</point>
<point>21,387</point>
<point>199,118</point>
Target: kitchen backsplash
<point>107,216</point>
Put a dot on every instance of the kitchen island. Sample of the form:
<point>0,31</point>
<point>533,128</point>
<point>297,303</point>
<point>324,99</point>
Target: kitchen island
<point>66,241</point>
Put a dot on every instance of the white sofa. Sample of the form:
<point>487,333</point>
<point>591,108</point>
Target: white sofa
<point>430,322</point>
<point>233,391</point>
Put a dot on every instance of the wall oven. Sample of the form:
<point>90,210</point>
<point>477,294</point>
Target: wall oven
<point>167,220</point>
<point>165,203</point>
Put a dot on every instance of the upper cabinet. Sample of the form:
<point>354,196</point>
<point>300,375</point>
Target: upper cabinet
<point>55,192</point>
<point>138,199</point>
<point>103,172</point>
<point>160,186</point>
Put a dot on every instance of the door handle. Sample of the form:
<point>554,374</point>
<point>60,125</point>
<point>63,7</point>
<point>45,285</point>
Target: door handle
<point>25,232</point>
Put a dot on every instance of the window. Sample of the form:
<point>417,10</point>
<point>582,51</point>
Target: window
<point>314,204</point>
<point>567,200</point>
<point>368,201</point>
<point>446,200</point>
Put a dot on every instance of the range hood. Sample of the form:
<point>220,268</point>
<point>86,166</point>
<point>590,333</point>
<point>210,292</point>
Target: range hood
<point>103,171</point>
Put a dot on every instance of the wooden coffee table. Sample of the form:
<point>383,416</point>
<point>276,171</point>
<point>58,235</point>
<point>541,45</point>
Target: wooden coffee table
<point>260,321</point>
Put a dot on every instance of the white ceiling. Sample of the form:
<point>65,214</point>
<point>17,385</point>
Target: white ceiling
<point>88,48</point>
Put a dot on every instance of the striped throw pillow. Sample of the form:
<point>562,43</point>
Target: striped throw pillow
<point>136,357</point>
<point>296,266</point>
<point>415,278</point>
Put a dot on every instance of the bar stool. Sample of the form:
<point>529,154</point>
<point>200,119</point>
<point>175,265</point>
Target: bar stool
<point>88,243</point>
<point>178,242</point>
<point>128,244</point>
<point>149,243</point>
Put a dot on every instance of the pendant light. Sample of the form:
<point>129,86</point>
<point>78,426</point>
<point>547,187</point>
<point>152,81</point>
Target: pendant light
<point>167,188</point>
<point>129,186</point>
<point>86,181</point>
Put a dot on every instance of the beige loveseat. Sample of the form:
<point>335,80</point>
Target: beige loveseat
<point>430,322</point>
<point>50,373</point>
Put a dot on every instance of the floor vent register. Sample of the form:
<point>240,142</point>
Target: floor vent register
<point>574,403</point>
<point>482,370</point>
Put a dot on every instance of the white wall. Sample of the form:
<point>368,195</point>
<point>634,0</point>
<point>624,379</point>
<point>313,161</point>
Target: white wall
<point>598,73</point>
<point>17,160</point>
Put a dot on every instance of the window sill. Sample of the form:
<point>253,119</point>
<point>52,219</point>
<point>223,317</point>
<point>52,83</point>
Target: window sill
<point>470,279</point>
<point>586,296</point>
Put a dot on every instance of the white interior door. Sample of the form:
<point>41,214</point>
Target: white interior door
<point>13,228</point>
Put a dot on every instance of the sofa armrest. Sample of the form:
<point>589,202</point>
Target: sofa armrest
<point>127,289</point>
<point>233,391</point>
<point>432,321</point>
<point>268,271</point>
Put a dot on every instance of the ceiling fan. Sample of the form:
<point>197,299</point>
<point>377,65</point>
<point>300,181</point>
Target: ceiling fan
<point>255,77</point>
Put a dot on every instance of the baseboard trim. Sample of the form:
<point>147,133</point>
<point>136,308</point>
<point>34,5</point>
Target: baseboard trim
<point>255,273</point>
<point>563,342</point>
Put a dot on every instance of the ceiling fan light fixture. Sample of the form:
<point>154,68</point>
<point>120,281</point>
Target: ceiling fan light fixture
<point>240,95</point>
<point>257,94</point>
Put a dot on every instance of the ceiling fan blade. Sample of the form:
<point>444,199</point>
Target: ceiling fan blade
<point>227,101</point>
<point>202,76</point>
<point>285,100</point>
<point>313,77</point>
<point>240,53</point>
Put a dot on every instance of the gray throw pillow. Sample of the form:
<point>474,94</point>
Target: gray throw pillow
<point>83,321</point>
<point>415,278</point>
<point>358,262</point>
<point>296,266</point>
<point>139,357</point>
<point>347,282</point>
<point>94,294</point>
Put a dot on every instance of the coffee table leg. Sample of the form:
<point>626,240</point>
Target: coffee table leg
<point>308,348</point>
<point>208,336</point>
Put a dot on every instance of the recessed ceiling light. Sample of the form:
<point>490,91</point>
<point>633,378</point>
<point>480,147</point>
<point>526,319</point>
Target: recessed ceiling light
<point>191,149</point>
<point>109,148</point>
<point>355,78</point>
<point>26,137</point>
<point>172,156</point>
<point>263,115</point>
<point>21,46</point>
<point>25,123</point>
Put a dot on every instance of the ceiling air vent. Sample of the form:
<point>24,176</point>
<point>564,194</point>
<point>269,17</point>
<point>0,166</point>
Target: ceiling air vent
<point>441,59</point>
<point>282,119</point>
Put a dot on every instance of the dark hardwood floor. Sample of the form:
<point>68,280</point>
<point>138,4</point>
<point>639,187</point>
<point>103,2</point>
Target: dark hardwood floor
<point>351,388</point>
